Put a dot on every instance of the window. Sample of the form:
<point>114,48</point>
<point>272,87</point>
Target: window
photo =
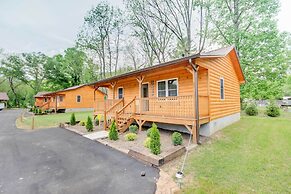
<point>221,88</point>
<point>168,88</point>
<point>78,98</point>
<point>120,93</point>
<point>61,98</point>
<point>45,99</point>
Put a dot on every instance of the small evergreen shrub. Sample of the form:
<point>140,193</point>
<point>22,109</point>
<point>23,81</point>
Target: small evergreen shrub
<point>89,124</point>
<point>73,119</point>
<point>133,128</point>
<point>113,134</point>
<point>150,129</point>
<point>147,142</point>
<point>251,109</point>
<point>273,110</point>
<point>155,143</point>
<point>82,123</point>
<point>130,136</point>
<point>177,138</point>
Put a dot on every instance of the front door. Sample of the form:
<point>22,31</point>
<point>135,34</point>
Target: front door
<point>145,96</point>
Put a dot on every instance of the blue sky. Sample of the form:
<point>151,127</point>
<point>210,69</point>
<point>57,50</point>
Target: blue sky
<point>50,26</point>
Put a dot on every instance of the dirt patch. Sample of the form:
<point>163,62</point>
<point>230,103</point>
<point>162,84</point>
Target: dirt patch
<point>82,129</point>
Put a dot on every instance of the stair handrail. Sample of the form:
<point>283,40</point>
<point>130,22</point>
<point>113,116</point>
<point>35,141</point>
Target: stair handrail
<point>44,104</point>
<point>116,104</point>
<point>122,109</point>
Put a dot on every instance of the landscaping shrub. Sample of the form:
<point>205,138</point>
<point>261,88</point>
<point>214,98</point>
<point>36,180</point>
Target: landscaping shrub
<point>150,129</point>
<point>73,119</point>
<point>243,105</point>
<point>130,136</point>
<point>273,110</point>
<point>89,124</point>
<point>251,109</point>
<point>113,134</point>
<point>82,123</point>
<point>147,142</point>
<point>177,138</point>
<point>155,144</point>
<point>133,128</point>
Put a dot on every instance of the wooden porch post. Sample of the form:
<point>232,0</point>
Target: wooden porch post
<point>56,97</point>
<point>195,68</point>
<point>105,119</point>
<point>140,80</point>
<point>113,84</point>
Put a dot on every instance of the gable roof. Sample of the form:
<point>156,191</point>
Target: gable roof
<point>221,52</point>
<point>68,89</point>
<point>4,96</point>
<point>40,94</point>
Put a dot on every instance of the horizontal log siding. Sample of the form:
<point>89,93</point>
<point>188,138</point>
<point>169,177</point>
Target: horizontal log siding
<point>185,85</point>
<point>222,67</point>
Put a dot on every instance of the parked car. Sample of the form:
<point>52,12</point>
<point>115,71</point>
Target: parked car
<point>286,101</point>
<point>2,106</point>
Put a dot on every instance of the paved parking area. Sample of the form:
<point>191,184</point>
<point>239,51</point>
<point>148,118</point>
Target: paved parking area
<point>59,161</point>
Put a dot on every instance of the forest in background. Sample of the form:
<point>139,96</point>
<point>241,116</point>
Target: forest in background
<point>147,32</point>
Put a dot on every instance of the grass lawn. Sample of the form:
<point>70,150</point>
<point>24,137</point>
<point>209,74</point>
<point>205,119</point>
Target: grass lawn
<point>51,120</point>
<point>250,156</point>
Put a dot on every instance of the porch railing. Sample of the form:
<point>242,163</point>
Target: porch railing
<point>101,106</point>
<point>174,106</point>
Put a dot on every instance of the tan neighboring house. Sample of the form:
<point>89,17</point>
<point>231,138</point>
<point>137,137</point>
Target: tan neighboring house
<point>3,100</point>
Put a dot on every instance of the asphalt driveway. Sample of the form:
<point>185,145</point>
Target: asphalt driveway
<point>59,161</point>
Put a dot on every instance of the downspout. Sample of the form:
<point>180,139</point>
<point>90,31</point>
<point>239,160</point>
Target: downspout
<point>195,68</point>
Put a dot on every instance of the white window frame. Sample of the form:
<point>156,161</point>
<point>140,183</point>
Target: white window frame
<point>221,78</point>
<point>77,98</point>
<point>167,88</point>
<point>117,91</point>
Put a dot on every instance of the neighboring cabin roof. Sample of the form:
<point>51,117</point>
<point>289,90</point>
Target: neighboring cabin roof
<point>40,94</point>
<point>4,96</point>
<point>68,89</point>
<point>222,52</point>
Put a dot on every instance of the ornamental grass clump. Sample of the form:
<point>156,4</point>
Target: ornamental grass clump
<point>73,119</point>
<point>113,134</point>
<point>89,124</point>
<point>177,138</point>
<point>155,143</point>
<point>251,109</point>
<point>147,142</point>
<point>273,110</point>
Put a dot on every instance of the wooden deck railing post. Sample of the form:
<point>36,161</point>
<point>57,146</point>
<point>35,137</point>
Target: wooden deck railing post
<point>105,119</point>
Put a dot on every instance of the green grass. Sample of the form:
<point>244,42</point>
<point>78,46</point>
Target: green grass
<point>250,156</point>
<point>51,120</point>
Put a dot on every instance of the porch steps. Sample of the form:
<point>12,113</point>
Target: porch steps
<point>124,121</point>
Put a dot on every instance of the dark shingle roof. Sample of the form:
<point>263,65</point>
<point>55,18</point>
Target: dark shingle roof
<point>40,94</point>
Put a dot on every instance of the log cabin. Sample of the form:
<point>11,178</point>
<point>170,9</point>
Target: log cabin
<point>76,98</point>
<point>197,94</point>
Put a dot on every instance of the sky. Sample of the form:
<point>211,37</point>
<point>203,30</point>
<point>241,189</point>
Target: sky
<point>50,26</point>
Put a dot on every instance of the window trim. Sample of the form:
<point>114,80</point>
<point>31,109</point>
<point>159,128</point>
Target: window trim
<point>77,98</point>
<point>117,91</point>
<point>223,87</point>
<point>167,87</point>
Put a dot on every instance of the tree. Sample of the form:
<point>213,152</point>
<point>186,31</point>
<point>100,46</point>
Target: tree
<point>12,70</point>
<point>251,26</point>
<point>101,33</point>
<point>179,18</point>
<point>34,70</point>
<point>155,37</point>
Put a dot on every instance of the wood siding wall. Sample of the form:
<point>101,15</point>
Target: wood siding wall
<point>87,97</point>
<point>185,85</point>
<point>222,68</point>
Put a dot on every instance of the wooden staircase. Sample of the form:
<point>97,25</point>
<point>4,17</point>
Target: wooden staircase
<point>124,117</point>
